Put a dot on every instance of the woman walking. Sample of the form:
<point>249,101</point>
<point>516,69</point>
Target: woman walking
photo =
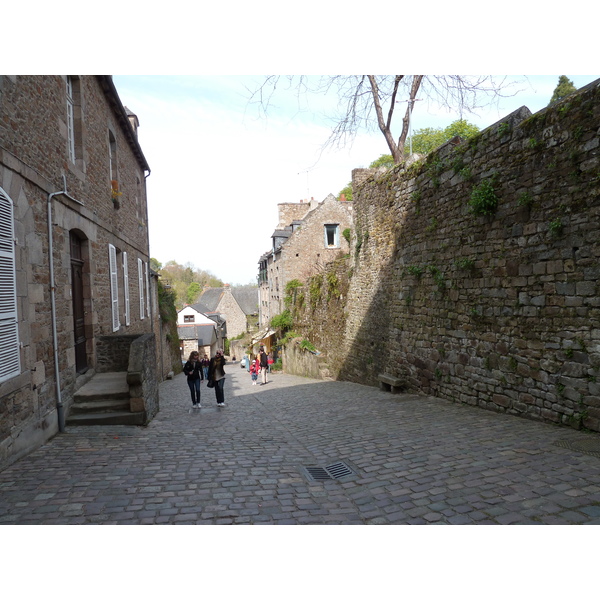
<point>193,370</point>
<point>216,375</point>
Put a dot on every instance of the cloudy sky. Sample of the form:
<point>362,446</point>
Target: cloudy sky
<point>220,166</point>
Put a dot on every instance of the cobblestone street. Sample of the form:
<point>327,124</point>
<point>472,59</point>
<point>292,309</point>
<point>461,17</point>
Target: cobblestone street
<point>390,459</point>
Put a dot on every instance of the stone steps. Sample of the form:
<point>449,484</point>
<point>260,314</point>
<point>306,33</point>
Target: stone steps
<point>104,400</point>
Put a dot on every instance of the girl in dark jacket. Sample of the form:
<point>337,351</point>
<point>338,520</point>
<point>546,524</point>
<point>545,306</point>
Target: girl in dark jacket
<point>216,374</point>
<point>193,370</point>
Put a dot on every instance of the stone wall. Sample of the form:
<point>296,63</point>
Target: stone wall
<point>499,310</point>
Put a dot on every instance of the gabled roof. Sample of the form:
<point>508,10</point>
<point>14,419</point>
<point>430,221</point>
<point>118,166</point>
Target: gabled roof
<point>201,308</point>
<point>247,298</point>
<point>210,298</point>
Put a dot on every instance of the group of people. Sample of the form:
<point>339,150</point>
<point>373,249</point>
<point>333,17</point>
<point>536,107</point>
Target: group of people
<point>198,370</point>
<point>260,364</point>
<point>213,371</point>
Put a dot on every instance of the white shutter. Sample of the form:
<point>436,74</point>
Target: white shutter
<point>10,361</point>
<point>141,286</point>
<point>147,290</point>
<point>114,287</point>
<point>126,289</point>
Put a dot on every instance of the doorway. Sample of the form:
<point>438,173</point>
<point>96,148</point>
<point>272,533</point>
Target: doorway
<point>77,264</point>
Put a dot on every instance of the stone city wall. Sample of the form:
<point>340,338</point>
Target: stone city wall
<point>475,273</point>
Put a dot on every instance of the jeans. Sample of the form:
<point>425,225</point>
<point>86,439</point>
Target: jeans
<point>205,369</point>
<point>219,390</point>
<point>194,385</point>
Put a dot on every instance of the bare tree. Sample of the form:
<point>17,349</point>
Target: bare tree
<point>368,100</point>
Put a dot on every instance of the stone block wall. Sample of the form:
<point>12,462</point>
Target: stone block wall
<point>498,310</point>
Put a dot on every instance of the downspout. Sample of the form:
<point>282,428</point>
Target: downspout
<point>59,403</point>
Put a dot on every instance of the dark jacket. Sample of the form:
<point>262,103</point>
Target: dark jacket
<point>193,370</point>
<point>264,360</point>
<point>215,369</point>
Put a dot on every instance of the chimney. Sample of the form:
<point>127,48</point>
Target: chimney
<point>342,197</point>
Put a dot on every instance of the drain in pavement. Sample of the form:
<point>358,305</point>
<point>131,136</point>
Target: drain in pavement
<point>590,446</point>
<point>334,471</point>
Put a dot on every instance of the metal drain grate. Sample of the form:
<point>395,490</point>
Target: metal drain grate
<point>334,471</point>
<point>590,446</point>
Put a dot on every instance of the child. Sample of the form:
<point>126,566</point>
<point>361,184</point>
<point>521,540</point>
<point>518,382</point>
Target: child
<point>254,369</point>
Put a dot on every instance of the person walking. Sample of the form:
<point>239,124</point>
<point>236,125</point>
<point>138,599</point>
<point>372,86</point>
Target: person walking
<point>270,361</point>
<point>194,373</point>
<point>205,365</point>
<point>216,376</point>
<point>264,365</point>
<point>254,370</point>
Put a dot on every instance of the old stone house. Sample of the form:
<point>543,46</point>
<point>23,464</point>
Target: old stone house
<point>77,298</point>
<point>198,332</point>
<point>307,237</point>
<point>237,305</point>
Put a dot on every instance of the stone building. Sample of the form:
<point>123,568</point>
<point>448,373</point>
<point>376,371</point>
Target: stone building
<point>237,305</point>
<point>307,237</point>
<point>76,293</point>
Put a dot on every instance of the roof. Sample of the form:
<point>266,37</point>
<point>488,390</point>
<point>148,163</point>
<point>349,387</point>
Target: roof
<point>247,298</point>
<point>110,91</point>
<point>205,334</point>
<point>210,298</point>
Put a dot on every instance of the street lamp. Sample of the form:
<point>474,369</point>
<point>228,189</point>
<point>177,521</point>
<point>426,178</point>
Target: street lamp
<point>411,104</point>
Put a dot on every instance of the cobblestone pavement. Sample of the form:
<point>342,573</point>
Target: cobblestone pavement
<point>413,460</point>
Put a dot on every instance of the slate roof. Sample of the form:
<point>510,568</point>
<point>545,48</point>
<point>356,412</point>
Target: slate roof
<point>247,298</point>
<point>205,334</point>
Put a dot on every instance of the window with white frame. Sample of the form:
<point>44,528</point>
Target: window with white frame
<point>10,360</point>
<point>114,287</point>
<point>126,289</point>
<point>141,287</point>
<point>332,236</point>
<point>70,119</point>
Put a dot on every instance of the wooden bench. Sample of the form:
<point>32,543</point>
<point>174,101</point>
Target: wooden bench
<point>389,383</point>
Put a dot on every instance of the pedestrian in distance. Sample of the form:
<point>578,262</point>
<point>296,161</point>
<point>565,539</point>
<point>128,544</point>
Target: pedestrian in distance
<point>205,365</point>
<point>216,376</point>
<point>254,370</point>
<point>270,360</point>
<point>194,374</point>
<point>264,365</point>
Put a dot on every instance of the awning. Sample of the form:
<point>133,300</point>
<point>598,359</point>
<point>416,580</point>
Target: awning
<point>263,335</point>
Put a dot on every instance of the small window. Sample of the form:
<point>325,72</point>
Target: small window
<point>74,119</point>
<point>332,238</point>
<point>189,318</point>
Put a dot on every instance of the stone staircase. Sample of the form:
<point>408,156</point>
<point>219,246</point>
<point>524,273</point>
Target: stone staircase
<point>323,366</point>
<point>104,400</point>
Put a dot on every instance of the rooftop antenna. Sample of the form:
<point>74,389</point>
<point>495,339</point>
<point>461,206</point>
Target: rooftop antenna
<point>307,185</point>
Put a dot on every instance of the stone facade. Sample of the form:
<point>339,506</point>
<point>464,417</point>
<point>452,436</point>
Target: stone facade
<point>68,153</point>
<point>475,273</point>
<point>313,240</point>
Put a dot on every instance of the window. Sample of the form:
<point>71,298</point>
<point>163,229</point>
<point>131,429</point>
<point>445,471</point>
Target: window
<point>70,119</point>
<point>147,289</point>
<point>141,287</point>
<point>126,289</point>
<point>74,120</point>
<point>112,161</point>
<point>189,318</point>
<point>10,360</point>
<point>332,238</point>
<point>114,287</point>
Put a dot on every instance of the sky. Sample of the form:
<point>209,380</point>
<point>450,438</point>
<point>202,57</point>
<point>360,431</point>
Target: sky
<point>219,166</point>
